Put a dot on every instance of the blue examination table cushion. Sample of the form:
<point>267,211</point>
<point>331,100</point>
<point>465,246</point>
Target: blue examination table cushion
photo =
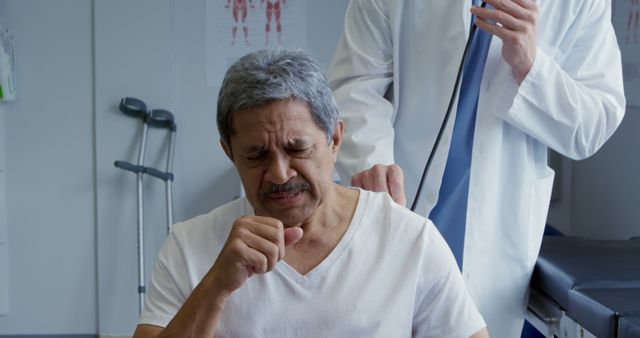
<point>597,282</point>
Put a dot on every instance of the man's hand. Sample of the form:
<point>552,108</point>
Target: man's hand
<point>254,245</point>
<point>383,178</point>
<point>516,22</point>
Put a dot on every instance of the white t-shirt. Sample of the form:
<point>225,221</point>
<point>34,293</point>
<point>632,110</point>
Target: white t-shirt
<point>391,275</point>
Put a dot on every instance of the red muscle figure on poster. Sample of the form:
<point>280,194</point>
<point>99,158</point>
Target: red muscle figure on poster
<point>239,12</point>
<point>273,9</point>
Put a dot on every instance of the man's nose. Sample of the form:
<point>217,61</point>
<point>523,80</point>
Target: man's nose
<point>279,170</point>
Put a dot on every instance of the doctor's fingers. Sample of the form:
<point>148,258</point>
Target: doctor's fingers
<point>395,182</point>
<point>373,179</point>
<point>500,23</point>
<point>522,9</point>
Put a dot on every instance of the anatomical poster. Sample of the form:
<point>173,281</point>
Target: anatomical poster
<point>237,27</point>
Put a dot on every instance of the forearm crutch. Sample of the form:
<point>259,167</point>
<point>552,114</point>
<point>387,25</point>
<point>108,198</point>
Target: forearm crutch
<point>157,118</point>
<point>161,118</point>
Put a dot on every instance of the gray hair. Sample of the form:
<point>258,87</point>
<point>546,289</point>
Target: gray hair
<point>273,75</point>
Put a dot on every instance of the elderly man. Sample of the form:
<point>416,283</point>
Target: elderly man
<point>300,256</point>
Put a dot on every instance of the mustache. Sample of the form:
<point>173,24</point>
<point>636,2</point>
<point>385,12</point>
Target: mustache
<point>284,188</point>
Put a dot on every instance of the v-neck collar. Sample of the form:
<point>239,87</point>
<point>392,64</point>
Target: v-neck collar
<point>318,271</point>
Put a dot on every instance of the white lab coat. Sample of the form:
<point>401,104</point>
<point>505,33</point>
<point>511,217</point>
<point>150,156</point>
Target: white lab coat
<point>571,101</point>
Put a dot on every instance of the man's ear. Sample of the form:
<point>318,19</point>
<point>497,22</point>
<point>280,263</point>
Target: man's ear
<point>227,149</point>
<point>336,139</point>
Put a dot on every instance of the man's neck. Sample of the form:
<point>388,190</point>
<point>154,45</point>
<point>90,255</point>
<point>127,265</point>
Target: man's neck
<point>323,230</point>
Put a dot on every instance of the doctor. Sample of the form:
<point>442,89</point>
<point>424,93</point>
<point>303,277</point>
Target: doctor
<point>540,74</point>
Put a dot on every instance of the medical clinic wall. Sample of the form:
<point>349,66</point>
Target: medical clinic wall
<point>49,176</point>
<point>70,214</point>
<point>606,187</point>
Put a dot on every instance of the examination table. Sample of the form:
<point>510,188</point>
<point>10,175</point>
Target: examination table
<point>585,288</point>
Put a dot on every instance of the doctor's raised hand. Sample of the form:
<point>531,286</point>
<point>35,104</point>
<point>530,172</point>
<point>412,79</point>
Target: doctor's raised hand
<point>382,178</point>
<point>515,23</point>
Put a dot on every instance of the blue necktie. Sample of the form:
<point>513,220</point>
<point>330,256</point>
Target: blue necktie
<point>449,214</point>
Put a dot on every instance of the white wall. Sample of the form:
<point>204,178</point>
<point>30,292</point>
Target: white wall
<point>50,170</point>
<point>4,260</point>
<point>71,214</point>
<point>600,196</point>
<point>606,187</point>
<point>4,251</point>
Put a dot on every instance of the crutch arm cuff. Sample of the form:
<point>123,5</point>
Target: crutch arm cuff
<point>133,107</point>
<point>160,118</point>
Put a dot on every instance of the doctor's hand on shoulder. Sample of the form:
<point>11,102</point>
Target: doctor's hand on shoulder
<point>255,245</point>
<point>382,178</point>
<point>515,22</point>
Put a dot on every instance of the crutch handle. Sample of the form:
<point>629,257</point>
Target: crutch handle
<point>133,107</point>
<point>134,168</point>
<point>158,174</point>
<point>161,118</point>
<point>137,169</point>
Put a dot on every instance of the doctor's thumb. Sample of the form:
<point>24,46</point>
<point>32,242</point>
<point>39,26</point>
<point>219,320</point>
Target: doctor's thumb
<point>395,184</point>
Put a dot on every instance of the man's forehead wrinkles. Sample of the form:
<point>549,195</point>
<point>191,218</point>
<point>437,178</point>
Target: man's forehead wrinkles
<point>297,141</point>
<point>265,139</point>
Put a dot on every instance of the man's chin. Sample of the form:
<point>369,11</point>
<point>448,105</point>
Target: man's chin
<point>290,217</point>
